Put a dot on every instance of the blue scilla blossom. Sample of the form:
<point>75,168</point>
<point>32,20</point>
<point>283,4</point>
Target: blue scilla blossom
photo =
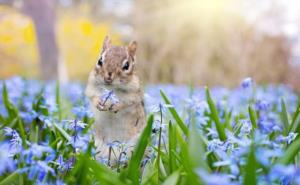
<point>28,116</point>
<point>74,92</point>
<point>60,162</point>
<point>102,160</point>
<point>160,107</point>
<point>285,174</point>
<point>15,87</point>
<point>64,165</point>
<point>215,144</point>
<point>121,147</point>
<point>265,155</point>
<point>287,139</point>
<point>237,140</point>
<point>202,120</point>
<point>267,125</point>
<point>7,162</point>
<point>262,105</point>
<point>81,112</point>
<point>47,121</point>
<point>15,140</point>
<point>109,95</point>
<point>245,128</point>
<point>247,82</point>
<point>36,151</point>
<point>56,182</point>
<point>75,125</point>
<point>157,125</point>
<point>194,103</point>
<point>79,142</point>
<point>231,163</point>
<point>38,170</point>
<point>220,148</point>
<point>212,132</point>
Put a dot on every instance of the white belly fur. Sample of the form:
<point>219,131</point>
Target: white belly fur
<point>124,126</point>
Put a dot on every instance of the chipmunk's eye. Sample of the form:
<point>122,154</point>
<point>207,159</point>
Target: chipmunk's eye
<point>100,62</point>
<point>126,66</point>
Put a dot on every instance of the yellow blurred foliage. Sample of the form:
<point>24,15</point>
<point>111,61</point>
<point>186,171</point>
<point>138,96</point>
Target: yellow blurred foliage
<point>79,40</point>
<point>18,48</point>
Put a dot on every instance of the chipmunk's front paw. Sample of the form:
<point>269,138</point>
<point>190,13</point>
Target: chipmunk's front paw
<point>101,106</point>
<point>115,107</point>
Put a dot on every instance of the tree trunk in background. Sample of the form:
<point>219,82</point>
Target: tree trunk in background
<point>42,13</point>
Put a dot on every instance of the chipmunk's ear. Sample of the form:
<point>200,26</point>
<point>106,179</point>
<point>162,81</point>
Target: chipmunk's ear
<point>106,43</point>
<point>132,48</point>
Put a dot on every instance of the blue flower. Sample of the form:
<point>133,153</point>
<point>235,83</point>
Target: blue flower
<point>160,107</point>
<point>109,95</point>
<point>62,165</point>
<point>15,141</point>
<point>36,151</point>
<point>81,112</point>
<point>38,170</point>
<point>288,139</point>
<point>285,174</point>
<point>76,125</point>
<point>28,116</point>
<point>56,182</point>
<point>74,92</point>
<point>6,160</point>
<point>79,142</point>
<point>262,105</point>
<point>267,125</point>
<point>246,128</point>
<point>264,155</point>
<point>247,82</point>
<point>157,125</point>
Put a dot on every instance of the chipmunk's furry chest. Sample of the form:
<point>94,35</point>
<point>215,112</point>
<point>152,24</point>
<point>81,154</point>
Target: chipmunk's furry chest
<point>121,126</point>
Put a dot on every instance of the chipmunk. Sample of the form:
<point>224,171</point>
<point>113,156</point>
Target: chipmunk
<point>120,121</point>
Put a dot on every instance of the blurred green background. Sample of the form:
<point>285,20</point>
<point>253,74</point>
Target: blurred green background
<point>204,42</point>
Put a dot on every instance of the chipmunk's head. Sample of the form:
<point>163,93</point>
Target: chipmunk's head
<point>116,63</point>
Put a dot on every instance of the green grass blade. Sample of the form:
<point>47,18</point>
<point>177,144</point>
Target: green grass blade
<point>13,114</point>
<point>22,131</point>
<point>89,171</point>
<point>250,169</point>
<point>215,116</point>
<point>11,179</point>
<point>172,147</point>
<point>185,158</point>
<point>133,172</point>
<point>295,119</point>
<point>196,150</point>
<point>175,115</point>
<point>150,174</point>
<point>62,132</point>
<point>2,121</point>
<point>172,179</point>
<point>104,175</point>
<point>11,109</point>
<point>253,117</point>
<point>284,117</point>
<point>58,100</point>
<point>291,152</point>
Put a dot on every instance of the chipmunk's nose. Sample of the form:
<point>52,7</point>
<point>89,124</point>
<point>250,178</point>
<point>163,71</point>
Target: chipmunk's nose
<point>108,78</point>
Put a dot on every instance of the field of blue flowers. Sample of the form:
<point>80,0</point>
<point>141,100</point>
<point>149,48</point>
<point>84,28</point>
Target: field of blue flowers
<point>194,136</point>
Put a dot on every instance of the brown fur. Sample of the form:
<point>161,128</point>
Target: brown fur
<point>125,120</point>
